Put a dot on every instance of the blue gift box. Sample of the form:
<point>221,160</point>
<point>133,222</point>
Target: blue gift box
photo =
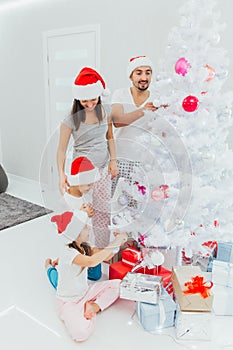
<point>157,316</point>
<point>225,251</point>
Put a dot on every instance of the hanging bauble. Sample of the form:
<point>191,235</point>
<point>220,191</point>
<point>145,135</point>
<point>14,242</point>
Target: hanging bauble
<point>182,66</point>
<point>179,223</point>
<point>211,73</point>
<point>123,200</point>
<point>190,103</point>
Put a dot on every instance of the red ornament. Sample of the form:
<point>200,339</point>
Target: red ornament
<point>190,103</point>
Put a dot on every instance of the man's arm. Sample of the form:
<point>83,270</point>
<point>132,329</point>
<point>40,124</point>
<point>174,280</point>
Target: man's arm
<point>120,118</point>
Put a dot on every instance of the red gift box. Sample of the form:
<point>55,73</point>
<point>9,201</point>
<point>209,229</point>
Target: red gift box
<point>130,256</point>
<point>118,270</point>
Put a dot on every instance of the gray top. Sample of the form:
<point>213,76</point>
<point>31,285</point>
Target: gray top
<point>90,141</point>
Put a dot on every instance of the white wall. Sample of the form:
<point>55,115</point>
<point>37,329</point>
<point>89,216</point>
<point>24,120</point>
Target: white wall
<point>128,28</point>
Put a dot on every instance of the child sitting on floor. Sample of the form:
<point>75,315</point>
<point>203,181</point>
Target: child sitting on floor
<point>77,302</point>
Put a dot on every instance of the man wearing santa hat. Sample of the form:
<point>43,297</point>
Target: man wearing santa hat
<point>129,107</point>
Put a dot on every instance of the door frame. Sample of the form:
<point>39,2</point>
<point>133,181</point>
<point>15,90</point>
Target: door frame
<point>53,33</point>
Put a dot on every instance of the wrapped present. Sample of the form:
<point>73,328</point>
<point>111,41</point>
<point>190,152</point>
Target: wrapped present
<point>130,256</point>
<point>131,243</point>
<point>118,270</point>
<point>222,273</point>
<point>225,251</point>
<point>191,290</point>
<point>222,304</point>
<point>193,325</point>
<point>172,256</point>
<point>202,258</point>
<point>159,271</point>
<point>140,287</point>
<point>157,316</point>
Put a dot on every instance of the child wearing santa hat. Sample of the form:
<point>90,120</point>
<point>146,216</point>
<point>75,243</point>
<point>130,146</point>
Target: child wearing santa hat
<point>77,302</point>
<point>82,175</point>
<point>91,129</point>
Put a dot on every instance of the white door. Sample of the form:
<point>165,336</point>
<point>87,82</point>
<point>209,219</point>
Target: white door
<point>66,51</point>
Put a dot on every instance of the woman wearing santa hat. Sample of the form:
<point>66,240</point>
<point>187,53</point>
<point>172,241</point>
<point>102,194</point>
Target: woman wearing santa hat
<point>91,130</point>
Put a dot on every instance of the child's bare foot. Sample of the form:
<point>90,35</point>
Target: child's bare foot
<point>90,309</point>
<point>48,262</point>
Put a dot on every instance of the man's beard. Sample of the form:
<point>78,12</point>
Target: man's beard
<point>142,88</point>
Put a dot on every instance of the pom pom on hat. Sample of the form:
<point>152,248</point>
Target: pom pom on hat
<point>83,172</point>
<point>138,61</point>
<point>89,84</point>
<point>70,223</point>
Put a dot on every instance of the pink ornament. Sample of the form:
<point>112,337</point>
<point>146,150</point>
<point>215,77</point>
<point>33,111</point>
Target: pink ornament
<point>190,103</point>
<point>160,193</point>
<point>182,66</point>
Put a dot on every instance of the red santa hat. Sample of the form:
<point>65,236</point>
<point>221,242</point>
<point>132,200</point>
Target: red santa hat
<point>138,61</point>
<point>70,223</point>
<point>83,172</point>
<point>88,85</point>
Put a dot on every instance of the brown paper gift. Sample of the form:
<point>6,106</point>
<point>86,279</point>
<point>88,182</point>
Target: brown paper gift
<point>187,300</point>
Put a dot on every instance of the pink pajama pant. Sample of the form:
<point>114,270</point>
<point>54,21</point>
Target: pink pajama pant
<point>104,293</point>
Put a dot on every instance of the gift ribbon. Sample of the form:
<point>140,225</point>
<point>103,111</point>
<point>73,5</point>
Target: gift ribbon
<point>197,285</point>
<point>162,313</point>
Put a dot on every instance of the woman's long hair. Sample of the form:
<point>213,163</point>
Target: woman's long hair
<point>79,114</point>
<point>86,248</point>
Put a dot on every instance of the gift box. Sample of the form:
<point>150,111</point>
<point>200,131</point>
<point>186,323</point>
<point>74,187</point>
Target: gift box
<point>191,290</point>
<point>159,271</point>
<point>193,325</point>
<point>130,256</point>
<point>204,258</point>
<point>222,273</point>
<point>225,251</point>
<point>223,300</point>
<point>172,256</point>
<point>157,316</point>
<point>118,270</point>
<point>131,243</point>
<point>140,287</point>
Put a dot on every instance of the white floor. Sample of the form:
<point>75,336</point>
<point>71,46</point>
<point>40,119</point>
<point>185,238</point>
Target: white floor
<point>27,311</point>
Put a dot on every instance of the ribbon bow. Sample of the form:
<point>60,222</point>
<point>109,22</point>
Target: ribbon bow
<point>198,286</point>
<point>141,189</point>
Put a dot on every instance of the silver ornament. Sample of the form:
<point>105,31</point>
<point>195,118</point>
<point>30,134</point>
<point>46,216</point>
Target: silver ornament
<point>122,200</point>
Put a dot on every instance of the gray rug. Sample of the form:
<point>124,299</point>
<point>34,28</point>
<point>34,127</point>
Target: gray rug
<point>14,211</point>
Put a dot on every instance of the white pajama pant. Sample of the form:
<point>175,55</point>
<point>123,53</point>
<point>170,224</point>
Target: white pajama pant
<point>101,217</point>
<point>103,293</point>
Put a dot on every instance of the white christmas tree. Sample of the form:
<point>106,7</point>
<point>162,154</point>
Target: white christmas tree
<point>184,188</point>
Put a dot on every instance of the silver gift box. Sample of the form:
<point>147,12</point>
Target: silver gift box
<point>141,287</point>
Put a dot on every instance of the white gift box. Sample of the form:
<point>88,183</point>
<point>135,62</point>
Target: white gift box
<point>222,273</point>
<point>141,287</point>
<point>193,325</point>
<point>223,300</point>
